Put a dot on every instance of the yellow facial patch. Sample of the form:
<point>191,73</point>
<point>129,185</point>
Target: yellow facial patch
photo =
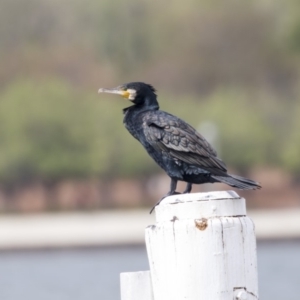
<point>125,94</point>
<point>129,94</point>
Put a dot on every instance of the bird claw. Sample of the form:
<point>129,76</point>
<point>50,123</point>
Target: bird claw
<point>169,194</point>
<point>179,201</point>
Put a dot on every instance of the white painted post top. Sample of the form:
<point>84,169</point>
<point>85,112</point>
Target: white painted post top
<point>202,247</point>
<point>201,205</point>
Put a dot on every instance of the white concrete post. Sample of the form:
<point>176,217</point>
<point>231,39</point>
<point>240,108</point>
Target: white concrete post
<point>202,247</point>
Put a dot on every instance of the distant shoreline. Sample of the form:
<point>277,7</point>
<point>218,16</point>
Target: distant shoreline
<point>117,228</point>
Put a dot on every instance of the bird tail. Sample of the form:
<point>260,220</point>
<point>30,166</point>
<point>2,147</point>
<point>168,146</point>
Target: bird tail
<point>238,182</point>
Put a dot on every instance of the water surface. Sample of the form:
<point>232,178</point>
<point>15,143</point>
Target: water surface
<point>88,274</point>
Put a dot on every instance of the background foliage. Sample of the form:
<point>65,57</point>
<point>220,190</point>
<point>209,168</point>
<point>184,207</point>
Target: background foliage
<point>234,65</point>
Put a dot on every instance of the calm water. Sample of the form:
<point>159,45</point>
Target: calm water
<point>94,273</point>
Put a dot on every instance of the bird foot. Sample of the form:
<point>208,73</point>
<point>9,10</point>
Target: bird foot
<point>169,194</point>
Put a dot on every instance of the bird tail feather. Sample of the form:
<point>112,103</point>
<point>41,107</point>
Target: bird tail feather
<point>238,182</point>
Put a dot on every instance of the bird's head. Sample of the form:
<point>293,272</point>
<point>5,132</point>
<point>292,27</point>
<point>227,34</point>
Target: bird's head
<point>138,92</point>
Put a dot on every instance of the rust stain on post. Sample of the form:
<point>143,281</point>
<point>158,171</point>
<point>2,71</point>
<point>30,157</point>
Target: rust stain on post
<point>201,224</point>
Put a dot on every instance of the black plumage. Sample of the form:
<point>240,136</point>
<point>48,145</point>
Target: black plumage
<point>175,145</point>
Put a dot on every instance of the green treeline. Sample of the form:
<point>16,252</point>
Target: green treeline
<point>234,65</point>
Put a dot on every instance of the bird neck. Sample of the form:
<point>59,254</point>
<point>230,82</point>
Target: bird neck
<point>148,103</point>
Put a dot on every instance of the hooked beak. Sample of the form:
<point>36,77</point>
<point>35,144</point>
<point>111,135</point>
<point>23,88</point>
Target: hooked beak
<point>117,91</point>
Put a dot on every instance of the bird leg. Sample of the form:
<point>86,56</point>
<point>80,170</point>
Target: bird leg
<point>188,188</point>
<point>170,193</point>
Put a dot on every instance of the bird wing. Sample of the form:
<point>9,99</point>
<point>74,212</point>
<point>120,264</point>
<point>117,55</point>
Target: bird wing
<point>181,141</point>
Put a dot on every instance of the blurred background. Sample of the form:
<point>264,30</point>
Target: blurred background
<point>229,68</point>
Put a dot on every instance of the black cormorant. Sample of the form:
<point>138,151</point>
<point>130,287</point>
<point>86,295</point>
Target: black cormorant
<point>175,145</point>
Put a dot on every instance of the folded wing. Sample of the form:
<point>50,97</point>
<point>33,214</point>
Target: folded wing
<point>170,134</point>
